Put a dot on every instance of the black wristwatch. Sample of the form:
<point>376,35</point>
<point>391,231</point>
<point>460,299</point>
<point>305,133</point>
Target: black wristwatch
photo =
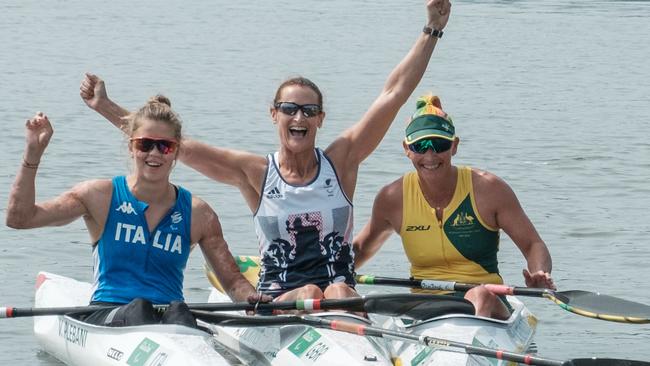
<point>433,32</point>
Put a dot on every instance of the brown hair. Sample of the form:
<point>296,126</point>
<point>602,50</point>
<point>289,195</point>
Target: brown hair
<point>158,108</point>
<point>301,81</point>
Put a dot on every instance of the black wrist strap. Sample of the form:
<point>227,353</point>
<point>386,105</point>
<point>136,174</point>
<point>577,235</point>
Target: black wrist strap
<point>432,32</point>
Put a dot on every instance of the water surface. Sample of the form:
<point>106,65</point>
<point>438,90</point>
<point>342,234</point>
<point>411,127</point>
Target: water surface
<point>554,97</point>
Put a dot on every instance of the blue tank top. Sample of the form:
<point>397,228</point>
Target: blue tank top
<point>130,261</point>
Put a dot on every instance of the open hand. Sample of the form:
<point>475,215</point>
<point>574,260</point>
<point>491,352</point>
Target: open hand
<point>539,279</point>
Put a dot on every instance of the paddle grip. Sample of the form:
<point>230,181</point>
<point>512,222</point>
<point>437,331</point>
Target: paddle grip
<point>6,312</point>
<point>348,327</point>
<point>510,290</point>
<point>530,291</point>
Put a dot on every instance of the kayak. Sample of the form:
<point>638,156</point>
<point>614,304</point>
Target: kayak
<point>336,348</point>
<point>304,345</point>
<point>77,343</point>
<point>514,334</point>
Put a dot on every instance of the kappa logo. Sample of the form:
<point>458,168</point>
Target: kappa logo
<point>177,217</point>
<point>274,193</point>
<point>126,208</point>
<point>463,219</point>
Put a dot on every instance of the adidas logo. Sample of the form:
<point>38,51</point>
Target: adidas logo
<point>274,193</point>
<point>126,208</point>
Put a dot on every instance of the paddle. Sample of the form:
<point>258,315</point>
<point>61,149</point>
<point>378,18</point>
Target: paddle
<point>417,306</point>
<point>589,304</point>
<point>365,330</point>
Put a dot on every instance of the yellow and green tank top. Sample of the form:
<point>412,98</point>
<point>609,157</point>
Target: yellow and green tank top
<point>461,247</point>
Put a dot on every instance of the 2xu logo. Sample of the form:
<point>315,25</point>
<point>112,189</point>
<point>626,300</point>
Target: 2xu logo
<point>418,227</point>
<point>115,354</point>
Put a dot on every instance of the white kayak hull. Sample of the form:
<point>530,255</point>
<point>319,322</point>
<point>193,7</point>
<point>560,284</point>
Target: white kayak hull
<point>515,335</point>
<point>305,345</point>
<point>77,343</point>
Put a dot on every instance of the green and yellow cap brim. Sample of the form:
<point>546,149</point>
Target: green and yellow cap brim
<point>429,126</point>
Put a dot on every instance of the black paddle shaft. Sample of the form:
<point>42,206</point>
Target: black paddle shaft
<point>585,303</point>
<point>416,306</point>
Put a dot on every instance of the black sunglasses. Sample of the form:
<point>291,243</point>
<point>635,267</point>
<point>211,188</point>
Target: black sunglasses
<point>438,145</point>
<point>290,108</point>
<point>146,144</point>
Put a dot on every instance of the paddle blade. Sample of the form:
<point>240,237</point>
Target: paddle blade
<point>249,266</point>
<point>417,306</point>
<point>606,362</point>
<point>605,307</point>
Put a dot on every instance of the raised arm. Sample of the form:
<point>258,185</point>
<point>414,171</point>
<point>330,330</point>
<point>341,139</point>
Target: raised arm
<point>23,212</point>
<point>384,220</point>
<point>241,169</point>
<point>237,168</point>
<point>514,222</point>
<point>357,142</point>
<point>206,230</point>
<point>93,93</point>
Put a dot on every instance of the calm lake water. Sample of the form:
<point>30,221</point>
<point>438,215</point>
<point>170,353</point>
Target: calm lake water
<point>553,96</point>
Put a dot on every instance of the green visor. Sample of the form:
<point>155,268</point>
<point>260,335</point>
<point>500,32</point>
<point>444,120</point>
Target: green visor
<point>427,126</point>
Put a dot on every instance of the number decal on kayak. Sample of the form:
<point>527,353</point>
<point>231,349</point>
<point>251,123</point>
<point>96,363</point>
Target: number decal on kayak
<point>316,351</point>
<point>142,352</point>
<point>309,347</point>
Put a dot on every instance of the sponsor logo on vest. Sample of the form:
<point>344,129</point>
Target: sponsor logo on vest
<point>417,227</point>
<point>274,193</point>
<point>72,333</point>
<point>114,354</point>
<point>463,219</point>
<point>134,234</point>
<point>329,187</point>
<point>176,217</point>
<point>126,208</point>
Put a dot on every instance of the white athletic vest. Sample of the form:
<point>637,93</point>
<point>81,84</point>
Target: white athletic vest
<point>304,232</point>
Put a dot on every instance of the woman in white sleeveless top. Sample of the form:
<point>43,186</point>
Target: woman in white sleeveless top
<point>301,196</point>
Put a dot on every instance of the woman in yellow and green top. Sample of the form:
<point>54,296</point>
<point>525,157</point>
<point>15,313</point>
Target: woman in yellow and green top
<point>449,217</point>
